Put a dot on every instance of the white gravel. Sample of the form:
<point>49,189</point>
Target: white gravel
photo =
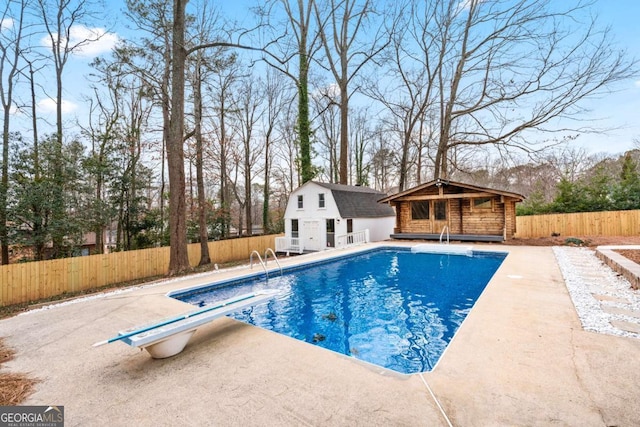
<point>586,276</point>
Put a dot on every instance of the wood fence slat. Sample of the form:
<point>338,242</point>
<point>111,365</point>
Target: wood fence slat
<point>611,223</point>
<point>26,282</point>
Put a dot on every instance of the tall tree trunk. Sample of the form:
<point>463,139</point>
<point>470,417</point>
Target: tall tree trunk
<point>179,259</point>
<point>205,258</point>
<point>4,187</point>
<point>224,196</point>
<point>266,222</point>
<point>344,133</point>
<point>304,132</point>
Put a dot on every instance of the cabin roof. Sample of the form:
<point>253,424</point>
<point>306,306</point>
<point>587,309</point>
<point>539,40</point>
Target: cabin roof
<point>441,183</point>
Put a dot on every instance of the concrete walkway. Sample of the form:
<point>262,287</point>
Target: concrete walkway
<point>520,358</point>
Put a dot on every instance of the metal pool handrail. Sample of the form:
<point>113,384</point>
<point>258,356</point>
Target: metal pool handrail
<point>266,254</point>
<point>446,227</point>
<point>261,262</point>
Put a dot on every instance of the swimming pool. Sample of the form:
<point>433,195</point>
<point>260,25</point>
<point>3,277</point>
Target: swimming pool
<point>386,306</point>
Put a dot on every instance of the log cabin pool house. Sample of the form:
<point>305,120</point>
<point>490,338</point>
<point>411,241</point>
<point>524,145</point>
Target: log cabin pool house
<point>443,209</point>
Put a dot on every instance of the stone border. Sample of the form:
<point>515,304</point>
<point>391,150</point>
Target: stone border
<point>622,265</point>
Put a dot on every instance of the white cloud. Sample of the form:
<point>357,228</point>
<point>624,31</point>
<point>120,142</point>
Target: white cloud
<point>6,24</point>
<point>636,83</point>
<point>465,5</point>
<point>332,91</point>
<point>48,105</point>
<point>90,42</point>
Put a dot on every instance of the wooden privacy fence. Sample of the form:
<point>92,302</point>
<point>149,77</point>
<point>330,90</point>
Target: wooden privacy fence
<point>31,281</point>
<point>611,223</point>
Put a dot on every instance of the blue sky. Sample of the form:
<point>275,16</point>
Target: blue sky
<point>618,111</point>
<point>621,109</point>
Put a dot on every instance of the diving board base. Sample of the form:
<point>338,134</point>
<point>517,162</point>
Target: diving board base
<point>170,346</point>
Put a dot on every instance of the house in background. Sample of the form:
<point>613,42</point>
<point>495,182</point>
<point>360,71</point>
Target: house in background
<point>443,209</point>
<point>320,216</point>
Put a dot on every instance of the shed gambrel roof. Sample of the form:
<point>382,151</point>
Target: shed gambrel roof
<point>358,202</point>
<point>442,183</point>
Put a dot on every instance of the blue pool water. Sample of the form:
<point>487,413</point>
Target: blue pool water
<point>389,307</point>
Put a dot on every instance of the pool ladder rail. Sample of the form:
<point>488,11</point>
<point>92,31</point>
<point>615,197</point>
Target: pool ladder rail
<point>445,228</point>
<point>266,259</point>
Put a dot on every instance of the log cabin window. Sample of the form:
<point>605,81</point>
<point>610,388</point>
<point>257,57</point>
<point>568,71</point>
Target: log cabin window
<point>482,203</point>
<point>420,210</point>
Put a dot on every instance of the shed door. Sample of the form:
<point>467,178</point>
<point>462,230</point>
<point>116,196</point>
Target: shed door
<point>440,215</point>
<point>311,235</point>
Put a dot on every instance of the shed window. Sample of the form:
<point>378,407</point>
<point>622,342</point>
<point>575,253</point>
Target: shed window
<point>294,228</point>
<point>321,200</point>
<point>300,202</point>
<point>482,203</point>
<point>420,210</point>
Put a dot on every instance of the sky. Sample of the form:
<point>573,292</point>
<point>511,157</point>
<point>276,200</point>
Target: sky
<point>619,111</point>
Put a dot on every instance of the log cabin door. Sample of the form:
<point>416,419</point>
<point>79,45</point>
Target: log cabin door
<point>440,215</point>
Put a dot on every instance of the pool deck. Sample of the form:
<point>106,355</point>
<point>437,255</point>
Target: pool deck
<point>520,358</point>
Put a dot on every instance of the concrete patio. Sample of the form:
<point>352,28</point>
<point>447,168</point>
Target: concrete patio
<point>520,358</point>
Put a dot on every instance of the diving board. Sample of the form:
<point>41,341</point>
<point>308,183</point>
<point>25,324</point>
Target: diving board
<point>168,337</point>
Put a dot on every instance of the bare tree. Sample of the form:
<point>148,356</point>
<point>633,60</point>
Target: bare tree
<point>221,91</point>
<point>179,258</point>
<point>202,64</point>
<point>327,133</point>
<point>153,17</point>
<point>383,163</point>
<point>287,153</point>
<point>275,95</point>
<point>103,132</point>
<point>60,18</point>
<point>414,57</point>
<point>514,67</point>
<point>346,55</point>
<point>11,17</point>
<point>280,55</point>
<point>361,136</point>
<point>248,103</point>
<point>179,52</point>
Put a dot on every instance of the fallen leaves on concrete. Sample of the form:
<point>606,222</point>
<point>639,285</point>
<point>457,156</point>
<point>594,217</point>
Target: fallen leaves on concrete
<point>14,388</point>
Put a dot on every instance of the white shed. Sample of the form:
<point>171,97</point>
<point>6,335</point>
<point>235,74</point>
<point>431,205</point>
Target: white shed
<point>321,216</point>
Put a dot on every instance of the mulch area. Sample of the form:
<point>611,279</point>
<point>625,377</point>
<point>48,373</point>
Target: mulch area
<point>14,388</point>
<point>632,254</point>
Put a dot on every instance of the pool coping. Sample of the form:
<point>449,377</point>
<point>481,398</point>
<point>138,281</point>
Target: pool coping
<point>623,265</point>
<point>520,357</point>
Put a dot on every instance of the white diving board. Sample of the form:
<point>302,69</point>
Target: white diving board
<point>168,337</point>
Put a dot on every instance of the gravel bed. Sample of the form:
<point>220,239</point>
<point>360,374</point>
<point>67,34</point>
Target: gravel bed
<point>585,276</point>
